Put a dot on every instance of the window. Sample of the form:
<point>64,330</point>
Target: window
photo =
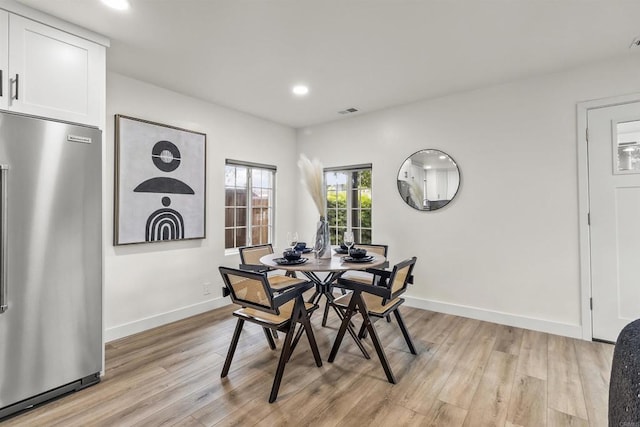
<point>349,202</point>
<point>248,205</point>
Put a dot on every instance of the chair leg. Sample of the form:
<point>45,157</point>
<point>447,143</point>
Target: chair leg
<point>274,333</point>
<point>267,333</point>
<point>376,343</point>
<point>284,356</point>
<point>326,313</point>
<point>362,334</point>
<point>388,319</point>
<point>232,348</point>
<point>346,326</point>
<point>312,340</point>
<point>343,329</point>
<point>403,328</point>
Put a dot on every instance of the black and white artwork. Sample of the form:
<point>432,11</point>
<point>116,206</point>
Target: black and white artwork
<point>160,182</point>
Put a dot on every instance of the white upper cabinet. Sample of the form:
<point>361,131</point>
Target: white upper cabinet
<point>50,73</point>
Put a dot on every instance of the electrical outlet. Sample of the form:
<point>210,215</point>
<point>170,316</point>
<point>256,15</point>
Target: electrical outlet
<point>206,288</point>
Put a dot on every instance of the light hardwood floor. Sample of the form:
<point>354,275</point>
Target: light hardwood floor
<point>467,373</point>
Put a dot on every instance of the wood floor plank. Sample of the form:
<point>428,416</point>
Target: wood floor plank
<point>491,400</point>
<point>563,379</point>
<point>434,369</point>
<point>464,379</point>
<point>560,419</point>
<point>528,402</point>
<point>466,371</point>
<point>509,339</point>
<point>594,361</point>
<point>533,354</point>
<point>445,414</point>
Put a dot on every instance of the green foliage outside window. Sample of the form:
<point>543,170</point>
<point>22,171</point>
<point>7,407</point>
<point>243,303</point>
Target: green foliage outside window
<point>339,207</point>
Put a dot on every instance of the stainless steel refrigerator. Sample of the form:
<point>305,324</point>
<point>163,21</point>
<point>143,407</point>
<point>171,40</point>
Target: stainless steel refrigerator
<point>50,260</point>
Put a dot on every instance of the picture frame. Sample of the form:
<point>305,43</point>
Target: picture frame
<point>160,182</point>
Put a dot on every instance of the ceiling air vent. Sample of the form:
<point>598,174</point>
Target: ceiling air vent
<point>348,111</point>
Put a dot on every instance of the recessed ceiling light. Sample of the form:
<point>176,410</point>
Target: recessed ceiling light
<point>117,4</point>
<point>300,90</point>
<point>442,157</point>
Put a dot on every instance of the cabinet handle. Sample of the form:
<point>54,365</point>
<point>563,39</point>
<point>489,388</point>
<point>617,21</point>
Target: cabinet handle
<point>1,84</point>
<point>17,85</point>
<point>3,239</point>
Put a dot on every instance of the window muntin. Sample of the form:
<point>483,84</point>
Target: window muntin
<point>248,219</point>
<point>349,203</point>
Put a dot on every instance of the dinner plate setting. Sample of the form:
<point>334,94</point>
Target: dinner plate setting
<point>367,258</point>
<point>284,261</point>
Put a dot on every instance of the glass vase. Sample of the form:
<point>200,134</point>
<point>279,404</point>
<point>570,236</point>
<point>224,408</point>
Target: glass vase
<point>322,244</point>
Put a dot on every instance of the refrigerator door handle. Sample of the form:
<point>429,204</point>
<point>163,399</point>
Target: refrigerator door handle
<point>3,238</point>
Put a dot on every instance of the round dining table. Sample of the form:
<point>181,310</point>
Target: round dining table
<point>334,267</point>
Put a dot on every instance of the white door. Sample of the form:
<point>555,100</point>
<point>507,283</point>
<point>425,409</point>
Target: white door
<point>614,198</point>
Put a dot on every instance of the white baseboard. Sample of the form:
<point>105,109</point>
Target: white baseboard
<point>509,319</point>
<point>124,330</point>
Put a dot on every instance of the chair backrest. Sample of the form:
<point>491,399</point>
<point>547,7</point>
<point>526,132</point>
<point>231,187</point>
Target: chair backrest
<point>399,279</point>
<point>376,249</point>
<point>252,254</point>
<point>249,289</point>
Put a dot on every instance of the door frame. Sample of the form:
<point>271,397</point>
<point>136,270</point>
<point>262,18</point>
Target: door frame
<point>583,202</point>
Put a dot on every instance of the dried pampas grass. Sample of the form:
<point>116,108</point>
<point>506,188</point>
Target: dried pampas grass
<point>313,179</point>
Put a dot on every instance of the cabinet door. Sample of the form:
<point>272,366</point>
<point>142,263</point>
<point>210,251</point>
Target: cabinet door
<point>4,59</point>
<point>53,73</point>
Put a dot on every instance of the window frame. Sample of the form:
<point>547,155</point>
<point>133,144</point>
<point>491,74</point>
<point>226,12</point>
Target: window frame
<point>271,207</point>
<point>351,205</point>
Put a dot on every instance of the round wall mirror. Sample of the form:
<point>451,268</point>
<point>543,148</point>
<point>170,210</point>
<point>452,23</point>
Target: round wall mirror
<point>428,180</point>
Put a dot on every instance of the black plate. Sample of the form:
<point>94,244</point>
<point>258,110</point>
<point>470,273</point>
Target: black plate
<point>284,261</point>
<point>341,251</point>
<point>306,250</point>
<point>367,258</point>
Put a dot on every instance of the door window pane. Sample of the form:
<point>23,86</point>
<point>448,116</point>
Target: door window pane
<point>628,147</point>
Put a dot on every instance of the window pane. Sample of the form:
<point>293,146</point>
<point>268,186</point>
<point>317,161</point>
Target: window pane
<point>241,177</point>
<point>342,218</point>
<point>259,235</point>
<point>241,197</point>
<point>355,218</point>
<point>365,236</point>
<point>628,146</point>
<point>228,217</point>
<point>249,199</point>
<point>241,217</point>
<point>365,217</point>
<point>228,238</point>
<point>229,196</point>
<point>230,176</point>
<point>365,199</point>
<point>241,237</point>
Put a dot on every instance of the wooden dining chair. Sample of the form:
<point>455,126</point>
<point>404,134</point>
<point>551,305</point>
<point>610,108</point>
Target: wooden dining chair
<point>375,301</point>
<point>359,275</point>
<point>364,276</point>
<point>282,312</point>
<point>250,260</point>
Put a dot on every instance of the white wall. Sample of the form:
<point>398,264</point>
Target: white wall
<point>147,285</point>
<point>506,249</point>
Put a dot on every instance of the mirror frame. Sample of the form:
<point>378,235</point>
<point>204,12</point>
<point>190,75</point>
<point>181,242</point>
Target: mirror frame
<point>440,205</point>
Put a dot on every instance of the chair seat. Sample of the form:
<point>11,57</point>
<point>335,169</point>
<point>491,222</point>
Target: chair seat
<point>359,276</point>
<point>373,302</point>
<point>279,282</point>
<point>269,318</point>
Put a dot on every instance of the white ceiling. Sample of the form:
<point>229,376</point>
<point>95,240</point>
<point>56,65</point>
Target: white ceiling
<point>367,54</point>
